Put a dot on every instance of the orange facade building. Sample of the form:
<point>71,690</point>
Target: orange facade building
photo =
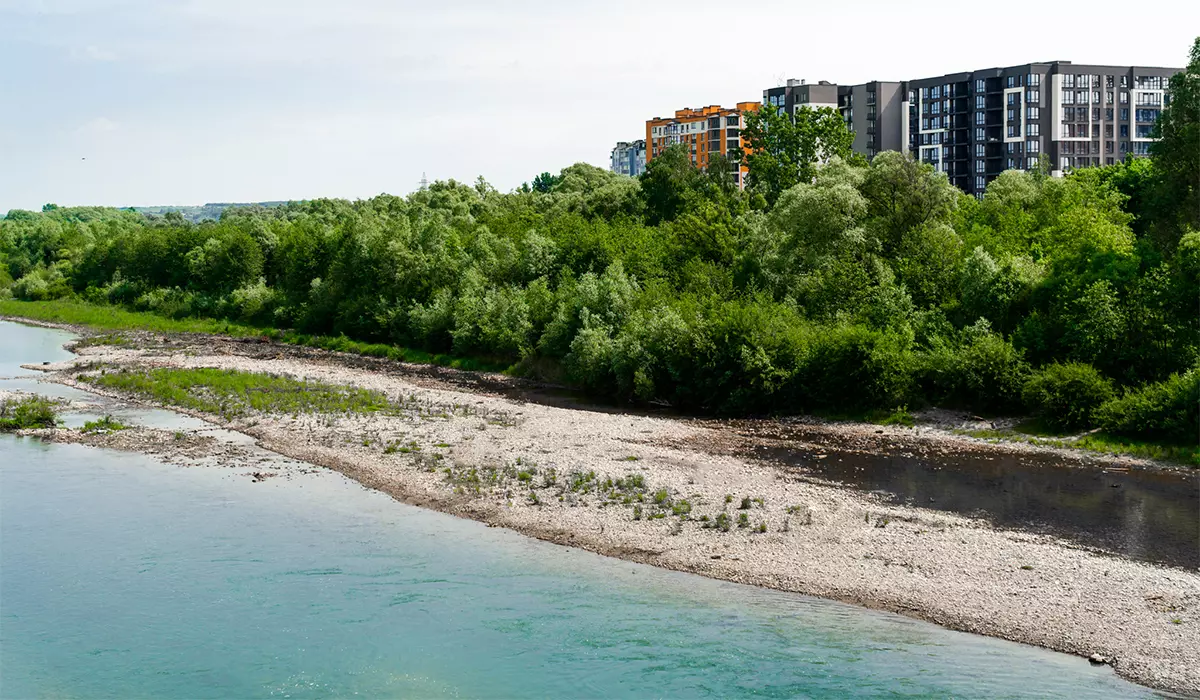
<point>707,131</point>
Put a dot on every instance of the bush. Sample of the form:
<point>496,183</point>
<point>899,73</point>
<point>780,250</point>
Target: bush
<point>23,413</point>
<point>981,371</point>
<point>1067,395</point>
<point>1168,410</point>
<point>854,368</point>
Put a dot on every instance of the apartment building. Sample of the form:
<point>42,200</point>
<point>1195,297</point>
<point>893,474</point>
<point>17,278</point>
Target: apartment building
<point>707,132</point>
<point>877,114</point>
<point>795,94</point>
<point>629,158</point>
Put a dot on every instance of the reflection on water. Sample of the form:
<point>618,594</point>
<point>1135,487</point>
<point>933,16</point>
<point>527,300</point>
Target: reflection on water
<point>1145,514</point>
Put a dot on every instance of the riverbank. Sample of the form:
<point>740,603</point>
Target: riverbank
<point>682,494</point>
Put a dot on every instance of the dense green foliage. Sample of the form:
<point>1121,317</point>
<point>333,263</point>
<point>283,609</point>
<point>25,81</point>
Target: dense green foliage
<point>26,412</point>
<point>1067,395</point>
<point>831,285</point>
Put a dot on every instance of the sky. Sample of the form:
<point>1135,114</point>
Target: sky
<point>155,102</point>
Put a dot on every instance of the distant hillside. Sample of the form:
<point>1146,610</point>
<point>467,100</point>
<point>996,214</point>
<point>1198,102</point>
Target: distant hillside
<point>212,210</point>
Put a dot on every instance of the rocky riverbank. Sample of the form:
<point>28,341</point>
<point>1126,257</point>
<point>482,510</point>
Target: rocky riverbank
<point>689,495</point>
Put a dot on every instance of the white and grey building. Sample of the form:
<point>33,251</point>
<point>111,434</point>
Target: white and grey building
<point>629,158</point>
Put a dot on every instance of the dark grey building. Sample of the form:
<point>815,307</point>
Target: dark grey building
<point>877,113</point>
<point>799,93</point>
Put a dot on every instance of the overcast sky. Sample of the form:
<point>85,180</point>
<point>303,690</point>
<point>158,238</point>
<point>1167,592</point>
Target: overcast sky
<point>148,102</point>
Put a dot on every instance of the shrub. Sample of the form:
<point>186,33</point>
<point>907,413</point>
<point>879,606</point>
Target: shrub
<point>982,371</point>
<point>27,412</point>
<point>1066,395</point>
<point>853,367</point>
<point>1168,410</point>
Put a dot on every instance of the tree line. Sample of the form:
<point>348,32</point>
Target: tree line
<point>830,284</point>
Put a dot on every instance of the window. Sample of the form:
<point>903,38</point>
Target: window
<point>1124,81</point>
<point>1149,82</point>
<point>1012,81</point>
<point>1124,97</point>
<point>1033,129</point>
<point>980,134</point>
<point>1013,98</point>
<point>1144,131</point>
<point>1148,98</point>
<point>1108,114</point>
<point>1124,131</point>
<point>1066,163</point>
<point>1095,131</point>
<point>980,102</point>
<point>1033,96</point>
<point>1146,115</point>
<point>1095,114</point>
<point>979,118</point>
<point>1033,113</point>
<point>1035,79</point>
<point>1066,147</point>
<point>1108,82</point>
<point>1095,98</point>
<point>980,182</point>
<point>1108,97</point>
<point>980,150</point>
<point>1124,114</point>
<point>1108,131</point>
<point>1081,97</point>
<point>979,166</point>
<point>1031,163</point>
<point>1014,130</point>
<point>1068,80</point>
<point>1068,97</point>
<point>1011,114</point>
<point>1108,147</point>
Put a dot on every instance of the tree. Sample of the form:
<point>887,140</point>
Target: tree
<point>667,184</point>
<point>1177,153</point>
<point>544,182</point>
<point>783,150</point>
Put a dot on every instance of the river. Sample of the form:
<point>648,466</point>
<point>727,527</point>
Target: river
<point>121,576</point>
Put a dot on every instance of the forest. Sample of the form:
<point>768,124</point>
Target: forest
<point>846,287</point>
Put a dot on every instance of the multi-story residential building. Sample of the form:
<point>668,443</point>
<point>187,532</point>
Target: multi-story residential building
<point>877,114</point>
<point>799,93</point>
<point>629,158</point>
<point>707,132</point>
<point>973,126</point>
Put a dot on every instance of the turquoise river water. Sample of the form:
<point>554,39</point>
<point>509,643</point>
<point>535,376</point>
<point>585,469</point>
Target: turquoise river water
<point>123,577</point>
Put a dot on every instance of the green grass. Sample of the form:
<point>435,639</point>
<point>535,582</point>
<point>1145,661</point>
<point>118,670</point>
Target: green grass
<point>235,393</point>
<point>27,412</point>
<point>113,318</point>
<point>1036,433</point>
<point>107,424</point>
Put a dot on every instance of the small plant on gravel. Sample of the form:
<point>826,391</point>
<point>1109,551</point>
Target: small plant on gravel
<point>1026,567</point>
<point>26,412</point>
<point>682,508</point>
<point>728,498</point>
<point>762,527</point>
<point>179,436</point>
<point>745,503</point>
<point>637,512</point>
<point>631,458</point>
<point>758,501</point>
<point>662,498</point>
<point>442,445</point>
<point>1176,620</point>
<point>526,477</point>
<point>722,522</point>
<point>533,499</point>
<point>882,522</point>
<point>107,424</point>
<point>787,525</point>
<point>550,478</point>
<point>743,520</point>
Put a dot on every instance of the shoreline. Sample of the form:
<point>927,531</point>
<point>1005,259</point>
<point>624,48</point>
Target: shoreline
<point>821,539</point>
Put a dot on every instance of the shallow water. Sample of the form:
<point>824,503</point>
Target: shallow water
<point>1146,514</point>
<point>124,577</point>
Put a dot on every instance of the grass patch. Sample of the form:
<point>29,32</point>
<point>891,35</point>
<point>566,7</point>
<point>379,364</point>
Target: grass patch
<point>115,318</point>
<point>27,412</point>
<point>1037,433</point>
<point>235,393</point>
<point>107,424</point>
